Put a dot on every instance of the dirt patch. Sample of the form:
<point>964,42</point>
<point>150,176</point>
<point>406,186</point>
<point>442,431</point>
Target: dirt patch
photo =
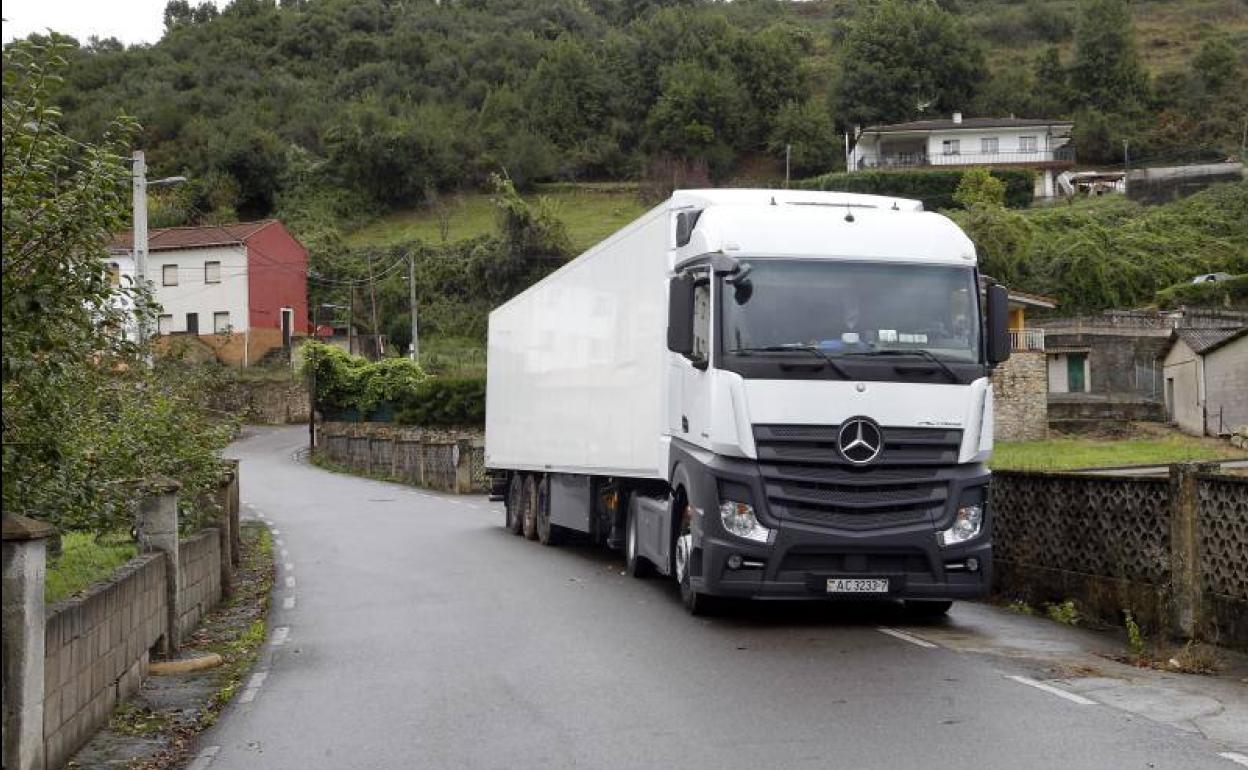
<point>156,728</point>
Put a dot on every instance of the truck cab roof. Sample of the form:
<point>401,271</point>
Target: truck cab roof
<point>819,225</point>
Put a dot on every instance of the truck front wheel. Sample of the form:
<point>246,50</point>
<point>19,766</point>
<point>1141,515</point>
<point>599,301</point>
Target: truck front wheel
<point>683,555</point>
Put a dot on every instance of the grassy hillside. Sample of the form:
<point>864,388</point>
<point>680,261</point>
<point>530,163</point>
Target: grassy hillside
<point>591,213</point>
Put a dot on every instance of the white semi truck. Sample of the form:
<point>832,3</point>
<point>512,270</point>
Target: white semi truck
<point>762,394</point>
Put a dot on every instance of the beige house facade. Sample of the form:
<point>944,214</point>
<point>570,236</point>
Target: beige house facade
<point>1205,372</point>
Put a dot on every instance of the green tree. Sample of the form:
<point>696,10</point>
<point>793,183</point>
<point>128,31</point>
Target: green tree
<point>904,59</point>
<point>806,127</point>
<point>1106,74</point>
<point>979,188</point>
<point>697,115</point>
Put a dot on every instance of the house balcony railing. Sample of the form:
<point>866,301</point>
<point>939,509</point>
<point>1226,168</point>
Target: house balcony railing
<point>1027,339</point>
<point>1059,156</point>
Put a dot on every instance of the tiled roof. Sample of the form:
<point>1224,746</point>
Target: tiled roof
<point>1202,341</point>
<point>200,236</point>
<point>946,124</point>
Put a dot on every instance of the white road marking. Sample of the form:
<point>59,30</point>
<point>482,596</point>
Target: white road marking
<point>1059,692</point>
<point>288,603</point>
<point>279,542</point>
<point>1237,758</point>
<point>280,634</point>
<point>290,582</point>
<point>285,553</point>
<point>903,636</point>
<point>289,567</point>
<point>253,688</point>
<point>203,758</point>
<point>277,532</point>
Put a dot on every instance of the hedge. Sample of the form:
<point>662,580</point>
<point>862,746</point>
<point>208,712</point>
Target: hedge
<point>934,188</point>
<point>444,401</point>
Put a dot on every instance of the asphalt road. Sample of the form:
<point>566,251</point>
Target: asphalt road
<point>411,631</point>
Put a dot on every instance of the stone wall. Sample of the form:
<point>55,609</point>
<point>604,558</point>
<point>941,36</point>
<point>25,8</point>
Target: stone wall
<point>199,578</point>
<point>444,459</point>
<point>96,652</point>
<point>1020,389</point>
<point>1172,551</point>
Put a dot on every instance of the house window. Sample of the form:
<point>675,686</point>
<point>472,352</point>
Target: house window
<point>1026,144</point>
<point>952,146</point>
<point>221,322</point>
<point>192,323</point>
<point>212,272</point>
<point>989,145</point>
<point>169,275</point>
<point>164,324</point>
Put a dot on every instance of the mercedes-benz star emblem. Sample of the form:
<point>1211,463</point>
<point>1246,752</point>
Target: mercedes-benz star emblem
<point>860,440</point>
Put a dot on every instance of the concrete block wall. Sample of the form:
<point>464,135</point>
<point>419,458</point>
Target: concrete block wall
<point>1020,389</point>
<point>96,653</point>
<point>199,578</point>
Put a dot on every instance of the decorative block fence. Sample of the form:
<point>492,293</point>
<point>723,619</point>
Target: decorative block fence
<point>456,465</point>
<point>66,666</point>
<point>1172,551</point>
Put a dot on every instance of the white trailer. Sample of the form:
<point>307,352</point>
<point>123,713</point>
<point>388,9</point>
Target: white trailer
<point>762,393</point>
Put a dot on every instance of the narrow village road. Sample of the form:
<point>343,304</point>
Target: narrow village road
<point>411,631</point>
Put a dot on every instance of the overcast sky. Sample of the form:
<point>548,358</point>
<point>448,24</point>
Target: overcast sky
<point>130,21</point>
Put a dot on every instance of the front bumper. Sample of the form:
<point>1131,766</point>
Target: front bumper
<point>802,555</point>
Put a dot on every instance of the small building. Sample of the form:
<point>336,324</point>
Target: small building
<point>1206,380</point>
<point>239,290</point>
<point>1020,385</point>
<point>1107,368</point>
<point>958,142</point>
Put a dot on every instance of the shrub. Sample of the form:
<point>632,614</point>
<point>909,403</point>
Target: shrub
<point>935,188</point>
<point>979,188</point>
<point>444,401</point>
<point>347,382</point>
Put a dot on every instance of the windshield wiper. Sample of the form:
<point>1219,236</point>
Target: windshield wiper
<point>811,349</point>
<point>920,352</point>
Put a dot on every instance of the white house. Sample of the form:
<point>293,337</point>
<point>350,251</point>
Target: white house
<point>240,289</point>
<point>1206,376</point>
<point>957,142</point>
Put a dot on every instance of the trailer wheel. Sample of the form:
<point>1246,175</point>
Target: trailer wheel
<point>547,533</point>
<point>927,610</point>
<point>530,507</point>
<point>634,563</point>
<point>515,504</point>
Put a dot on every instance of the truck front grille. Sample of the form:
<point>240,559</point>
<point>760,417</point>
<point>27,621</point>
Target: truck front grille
<point>807,479</point>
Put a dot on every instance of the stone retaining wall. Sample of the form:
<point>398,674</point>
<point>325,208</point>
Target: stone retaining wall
<point>199,578</point>
<point>1020,389</point>
<point>96,652</point>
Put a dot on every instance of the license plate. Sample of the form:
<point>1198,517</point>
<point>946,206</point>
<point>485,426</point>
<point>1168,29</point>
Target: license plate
<point>857,585</point>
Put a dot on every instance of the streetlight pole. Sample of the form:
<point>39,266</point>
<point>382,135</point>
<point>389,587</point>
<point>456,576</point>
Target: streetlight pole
<point>138,190</point>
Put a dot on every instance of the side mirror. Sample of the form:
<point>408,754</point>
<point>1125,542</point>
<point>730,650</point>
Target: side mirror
<point>680,315</point>
<point>998,333</point>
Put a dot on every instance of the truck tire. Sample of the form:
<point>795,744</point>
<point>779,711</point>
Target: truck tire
<point>530,507</point>
<point>515,504</point>
<point>927,610</point>
<point>696,602</point>
<point>547,533</point>
<point>635,564</point>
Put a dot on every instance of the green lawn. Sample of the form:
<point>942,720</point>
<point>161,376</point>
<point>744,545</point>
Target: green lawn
<point>84,560</point>
<point>591,213</point>
<point>1073,453</point>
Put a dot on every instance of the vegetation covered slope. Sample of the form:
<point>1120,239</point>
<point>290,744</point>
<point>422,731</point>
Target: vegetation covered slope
<point>323,108</point>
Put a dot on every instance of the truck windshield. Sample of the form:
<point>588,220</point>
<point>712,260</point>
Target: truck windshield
<point>853,308</point>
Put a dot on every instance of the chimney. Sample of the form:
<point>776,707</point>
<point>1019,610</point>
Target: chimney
<point>957,118</point>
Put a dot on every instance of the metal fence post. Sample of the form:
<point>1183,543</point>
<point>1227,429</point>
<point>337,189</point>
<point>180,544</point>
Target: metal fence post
<point>24,620</point>
<point>158,531</point>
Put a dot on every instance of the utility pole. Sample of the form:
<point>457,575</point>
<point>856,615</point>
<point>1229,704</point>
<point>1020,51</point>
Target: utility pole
<point>351,321</point>
<point>411,287</point>
<point>788,153</point>
<point>372,290</point>
<point>138,187</point>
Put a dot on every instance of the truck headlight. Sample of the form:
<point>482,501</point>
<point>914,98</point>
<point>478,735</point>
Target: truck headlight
<point>739,520</point>
<point>967,525</point>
